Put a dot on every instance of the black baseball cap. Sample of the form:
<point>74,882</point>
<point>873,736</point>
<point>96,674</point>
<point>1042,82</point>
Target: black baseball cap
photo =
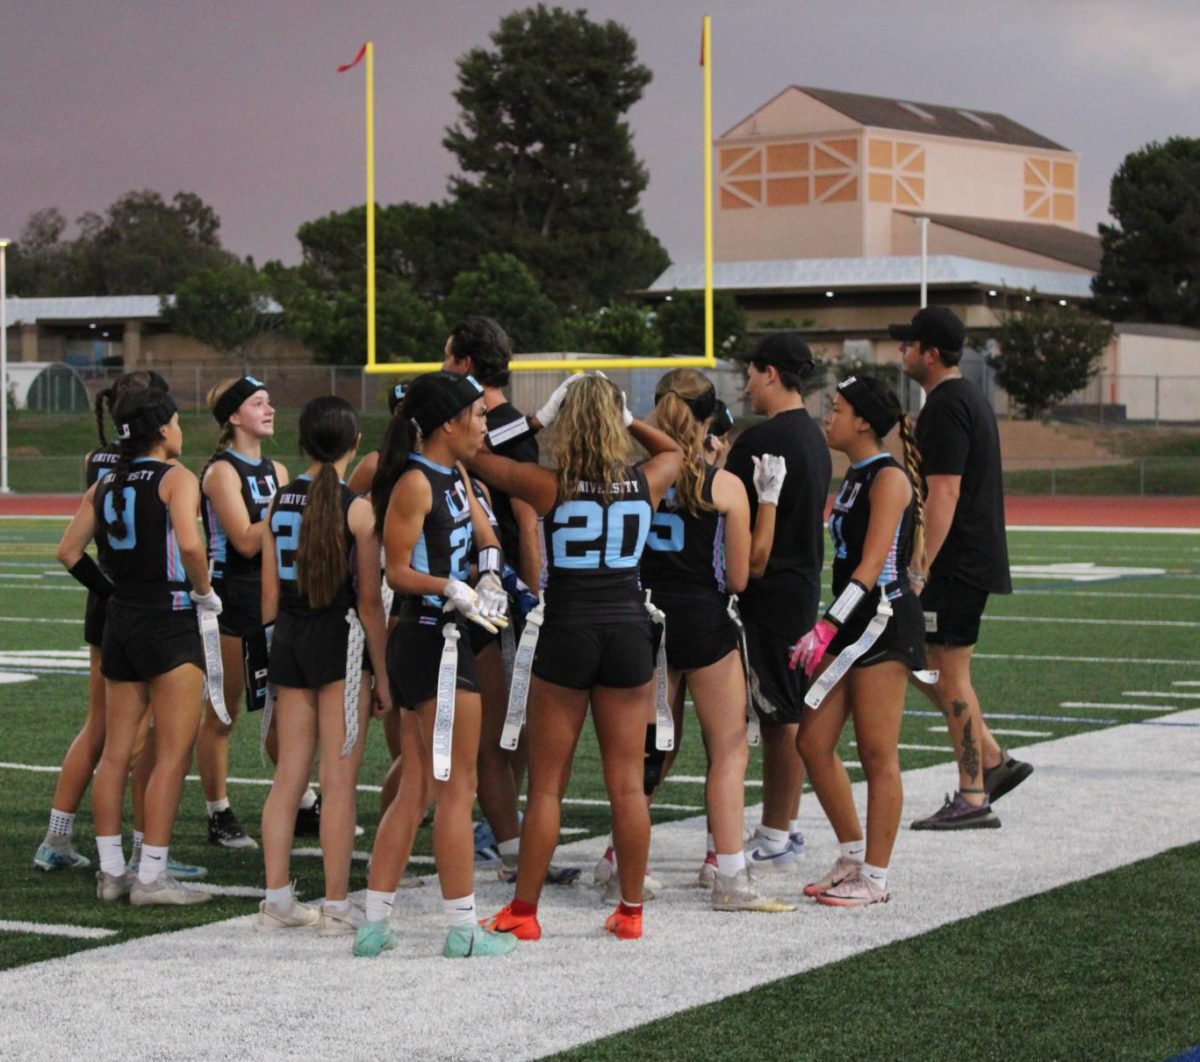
<point>784,350</point>
<point>934,326</point>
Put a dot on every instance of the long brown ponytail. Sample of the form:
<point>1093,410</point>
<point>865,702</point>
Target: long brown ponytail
<point>674,415</point>
<point>912,465</point>
<point>226,437</point>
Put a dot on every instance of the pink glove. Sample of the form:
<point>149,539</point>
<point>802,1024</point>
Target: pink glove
<point>809,651</point>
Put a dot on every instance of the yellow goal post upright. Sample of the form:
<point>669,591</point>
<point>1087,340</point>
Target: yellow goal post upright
<point>561,364</point>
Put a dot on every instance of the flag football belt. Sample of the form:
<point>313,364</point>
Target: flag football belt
<point>518,693</point>
<point>753,732</point>
<point>214,669</point>
<point>352,687</point>
<point>447,683</point>
<point>256,660</point>
<point>664,739</point>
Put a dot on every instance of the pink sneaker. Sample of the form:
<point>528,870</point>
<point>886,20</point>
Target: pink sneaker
<point>854,891</point>
<point>840,870</point>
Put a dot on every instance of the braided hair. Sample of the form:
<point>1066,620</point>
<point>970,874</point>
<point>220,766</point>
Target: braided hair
<point>105,398</point>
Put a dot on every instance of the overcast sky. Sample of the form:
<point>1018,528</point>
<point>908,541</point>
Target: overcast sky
<point>239,101</point>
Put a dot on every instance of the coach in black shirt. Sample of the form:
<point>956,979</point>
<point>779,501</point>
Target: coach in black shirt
<point>780,607</point>
<point>966,555</point>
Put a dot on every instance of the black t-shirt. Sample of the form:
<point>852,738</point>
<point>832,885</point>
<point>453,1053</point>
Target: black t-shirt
<point>785,599</point>
<point>525,449</point>
<point>957,436</point>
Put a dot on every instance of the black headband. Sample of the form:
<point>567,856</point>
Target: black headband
<point>868,405</point>
<point>147,418</point>
<point>229,403</point>
<point>702,406</point>
<point>722,419</point>
<point>437,397</point>
<point>395,397</point>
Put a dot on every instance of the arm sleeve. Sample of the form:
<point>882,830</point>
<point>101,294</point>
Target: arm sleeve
<point>946,443</point>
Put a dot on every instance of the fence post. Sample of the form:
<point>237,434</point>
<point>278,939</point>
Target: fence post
<point>1053,476</point>
<point>1141,475</point>
<point>196,389</point>
<point>1156,380</point>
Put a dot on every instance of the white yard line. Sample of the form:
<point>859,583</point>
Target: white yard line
<point>45,929</point>
<point>1069,620</point>
<point>1107,530</point>
<point>1086,659</point>
<point>1119,774</point>
<point>997,730</point>
<point>1118,706</point>
<point>1160,693</point>
<point>1070,591</point>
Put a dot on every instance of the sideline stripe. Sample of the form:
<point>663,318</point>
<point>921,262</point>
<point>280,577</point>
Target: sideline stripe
<point>45,929</point>
<point>1093,622</point>
<point>1160,693</point>
<point>1085,659</point>
<point>1067,590</point>
<point>1107,530</point>
<point>1121,706</point>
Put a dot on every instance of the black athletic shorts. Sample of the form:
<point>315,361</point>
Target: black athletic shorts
<point>140,644</point>
<point>93,619</point>
<point>953,610</point>
<point>241,605</point>
<point>582,655</point>
<point>481,638</point>
<point>308,651</point>
<point>414,654</point>
<point>903,639</point>
<point>777,690</point>
<point>699,630</point>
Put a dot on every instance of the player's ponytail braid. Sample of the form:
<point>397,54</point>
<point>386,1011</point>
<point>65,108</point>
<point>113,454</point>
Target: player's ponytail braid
<point>912,465</point>
<point>104,401</point>
<point>226,436</point>
<point>139,378</point>
<point>674,415</point>
<point>328,431</point>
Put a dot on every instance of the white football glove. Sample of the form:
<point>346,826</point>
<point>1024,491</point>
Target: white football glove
<point>493,599</point>
<point>207,602</point>
<point>545,416</point>
<point>462,598</point>
<point>769,473</point>
<point>626,416</point>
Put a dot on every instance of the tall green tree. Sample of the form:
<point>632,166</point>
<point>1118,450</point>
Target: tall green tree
<point>501,287</point>
<point>680,323</point>
<point>226,308</point>
<point>1150,270</point>
<point>1047,352</point>
<point>619,328</point>
<point>550,173</point>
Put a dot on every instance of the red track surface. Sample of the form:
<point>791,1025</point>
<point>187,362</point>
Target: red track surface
<point>1057,510</point>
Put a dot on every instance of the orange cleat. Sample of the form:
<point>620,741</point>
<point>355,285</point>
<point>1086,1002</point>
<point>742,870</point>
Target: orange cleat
<point>624,926</point>
<point>523,927</point>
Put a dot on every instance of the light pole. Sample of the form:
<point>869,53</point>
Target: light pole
<point>4,487</point>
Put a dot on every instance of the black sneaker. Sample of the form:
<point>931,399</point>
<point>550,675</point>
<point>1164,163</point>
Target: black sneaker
<point>1005,776</point>
<point>957,814</point>
<point>308,820</point>
<point>225,830</point>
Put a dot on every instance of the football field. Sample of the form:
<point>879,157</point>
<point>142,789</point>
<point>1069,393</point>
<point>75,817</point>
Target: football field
<point>1069,933</point>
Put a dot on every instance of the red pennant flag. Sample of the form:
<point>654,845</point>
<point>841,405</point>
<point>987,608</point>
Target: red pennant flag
<point>357,59</point>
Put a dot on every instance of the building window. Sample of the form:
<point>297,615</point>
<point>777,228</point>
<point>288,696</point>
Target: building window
<point>793,173</point>
<point>1050,190</point>
<point>897,172</point>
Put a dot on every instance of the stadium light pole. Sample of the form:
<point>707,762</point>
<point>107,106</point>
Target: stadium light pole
<point>4,487</point>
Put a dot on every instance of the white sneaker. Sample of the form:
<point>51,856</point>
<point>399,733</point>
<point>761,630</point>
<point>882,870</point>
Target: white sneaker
<point>296,915</point>
<point>708,871</point>
<point>111,887</point>
<point>339,923</point>
<point>165,890</point>
<point>762,857</point>
<point>604,871</point>
<point>855,891</point>
<point>844,867</point>
<point>739,893</point>
<point>612,891</point>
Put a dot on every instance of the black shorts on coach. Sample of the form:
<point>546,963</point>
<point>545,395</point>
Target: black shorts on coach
<point>776,690</point>
<point>414,655</point>
<point>308,651</point>
<point>953,610</point>
<point>582,655</point>
<point>141,644</point>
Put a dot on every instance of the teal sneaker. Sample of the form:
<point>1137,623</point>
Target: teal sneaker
<point>53,857</point>
<point>473,942</point>
<point>179,871</point>
<point>373,938</point>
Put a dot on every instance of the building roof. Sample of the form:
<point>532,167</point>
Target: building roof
<point>96,308</point>
<point>870,274</point>
<point>1051,241</point>
<point>883,112</point>
<point>1159,331</point>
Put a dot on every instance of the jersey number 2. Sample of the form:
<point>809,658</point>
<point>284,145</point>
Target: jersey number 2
<point>285,527</point>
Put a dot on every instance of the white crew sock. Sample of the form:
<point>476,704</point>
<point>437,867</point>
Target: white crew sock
<point>876,875</point>
<point>856,850</point>
<point>309,799</point>
<point>460,912</point>
<point>710,844</point>
<point>337,906</point>
<point>793,827</point>
<point>152,864</point>
<point>217,805</point>
<point>62,823</point>
<point>776,839</point>
<point>112,857</point>
<point>379,905</point>
<point>280,898</point>
<point>510,848</point>
<point>729,865</point>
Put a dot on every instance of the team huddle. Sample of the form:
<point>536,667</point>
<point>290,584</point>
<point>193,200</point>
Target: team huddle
<point>481,604</point>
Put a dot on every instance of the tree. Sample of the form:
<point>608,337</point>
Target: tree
<point>619,328</point>
<point>504,289</point>
<point>1047,352</point>
<point>225,308</point>
<point>550,174</point>
<point>680,323</point>
<point>1150,270</point>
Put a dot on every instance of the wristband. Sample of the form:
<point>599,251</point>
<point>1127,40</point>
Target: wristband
<point>87,571</point>
<point>491,559</point>
<point>848,600</point>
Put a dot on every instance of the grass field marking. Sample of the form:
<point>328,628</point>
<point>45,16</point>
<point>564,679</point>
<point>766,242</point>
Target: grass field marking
<point>1121,707</point>
<point>1070,591</point>
<point>1185,682</point>
<point>70,589</point>
<point>1053,658</point>
<point>249,892</point>
<point>699,779</point>
<point>1079,571</point>
<point>45,929</point>
<point>36,619</point>
<point>998,730</point>
<point>613,985</point>
<point>1093,622</point>
<point>1161,693</point>
<point>1068,528</point>
<point>34,671</point>
<point>1023,718</point>
<point>924,748</point>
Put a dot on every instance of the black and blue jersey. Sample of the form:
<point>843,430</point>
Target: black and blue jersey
<point>286,517</point>
<point>848,525</point>
<point>447,537</point>
<point>99,461</point>
<point>142,558</point>
<point>685,554</point>
<point>258,487</point>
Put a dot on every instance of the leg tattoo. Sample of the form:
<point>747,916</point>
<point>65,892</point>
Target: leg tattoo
<point>970,754</point>
<point>958,707</point>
